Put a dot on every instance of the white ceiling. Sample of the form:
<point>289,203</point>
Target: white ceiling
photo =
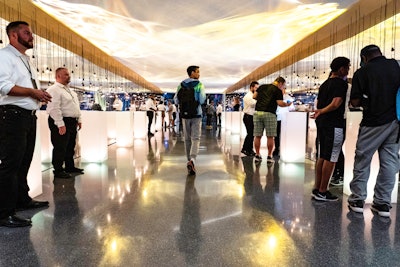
<point>227,39</point>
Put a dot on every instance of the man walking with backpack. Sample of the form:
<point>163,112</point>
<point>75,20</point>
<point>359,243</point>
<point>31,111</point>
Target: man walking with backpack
<point>190,95</point>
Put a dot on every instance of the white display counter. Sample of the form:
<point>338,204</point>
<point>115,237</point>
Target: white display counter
<point>349,148</point>
<point>293,136</point>
<point>236,122</point>
<point>139,124</point>
<point>124,128</point>
<point>93,137</point>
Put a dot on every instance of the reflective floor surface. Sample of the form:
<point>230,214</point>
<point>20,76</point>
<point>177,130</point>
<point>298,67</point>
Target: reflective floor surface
<point>139,208</point>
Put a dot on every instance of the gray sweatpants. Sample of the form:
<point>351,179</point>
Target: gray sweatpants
<point>192,133</point>
<point>371,139</point>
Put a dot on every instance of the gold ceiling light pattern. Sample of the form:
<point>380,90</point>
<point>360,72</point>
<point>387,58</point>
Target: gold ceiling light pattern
<point>225,49</point>
<point>53,30</point>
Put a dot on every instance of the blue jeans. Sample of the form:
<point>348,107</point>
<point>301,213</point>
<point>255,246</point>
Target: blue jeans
<point>192,133</point>
<point>371,139</point>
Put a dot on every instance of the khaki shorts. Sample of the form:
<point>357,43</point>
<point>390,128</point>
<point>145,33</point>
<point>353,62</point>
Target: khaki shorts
<point>264,120</point>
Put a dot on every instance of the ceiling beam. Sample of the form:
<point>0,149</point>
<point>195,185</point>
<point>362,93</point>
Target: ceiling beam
<point>359,17</point>
<point>55,31</point>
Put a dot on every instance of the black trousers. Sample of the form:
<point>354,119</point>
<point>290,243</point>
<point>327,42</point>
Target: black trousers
<point>150,114</point>
<point>17,144</point>
<point>249,139</point>
<point>219,119</point>
<point>63,145</point>
<point>209,119</point>
<point>277,139</point>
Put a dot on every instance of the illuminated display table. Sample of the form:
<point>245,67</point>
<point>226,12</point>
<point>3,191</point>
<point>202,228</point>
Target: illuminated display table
<point>293,136</point>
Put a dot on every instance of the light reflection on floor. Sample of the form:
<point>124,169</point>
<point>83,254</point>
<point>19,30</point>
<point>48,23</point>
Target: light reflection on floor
<point>139,208</point>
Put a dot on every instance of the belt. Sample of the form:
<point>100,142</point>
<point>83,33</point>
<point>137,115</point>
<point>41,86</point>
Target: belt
<point>18,109</point>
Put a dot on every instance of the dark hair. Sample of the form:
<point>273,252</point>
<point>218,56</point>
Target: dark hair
<point>280,80</point>
<point>253,83</point>
<point>12,26</point>
<point>339,62</point>
<point>370,50</point>
<point>190,69</point>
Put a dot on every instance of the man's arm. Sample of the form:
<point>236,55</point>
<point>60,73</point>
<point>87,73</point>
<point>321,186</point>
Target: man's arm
<point>336,102</point>
<point>40,95</point>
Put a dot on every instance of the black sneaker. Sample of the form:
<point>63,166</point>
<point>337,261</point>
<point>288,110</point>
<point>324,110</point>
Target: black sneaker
<point>190,167</point>
<point>356,206</point>
<point>270,159</point>
<point>257,158</point>
<point>314,192</point>
<point>381,210</point>
<point>336,181</point>
<point>245,152</point>
<point>326,196</point>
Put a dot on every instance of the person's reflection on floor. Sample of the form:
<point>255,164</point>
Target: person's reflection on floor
<point>248,167</point>
<point>264,199</point>
<point>17,248</point>
<point>383,252</point>
<point>67,221</point>
<point>327,233</point>
<point>189,236</point>
<point>357,250</point>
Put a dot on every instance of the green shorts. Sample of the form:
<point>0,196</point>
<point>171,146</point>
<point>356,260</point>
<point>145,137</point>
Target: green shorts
<point>264,120</point>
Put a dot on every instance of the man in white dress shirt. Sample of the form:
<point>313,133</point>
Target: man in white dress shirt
<point>249,108</point>
<point>64,122</point>
<point>19,100</point>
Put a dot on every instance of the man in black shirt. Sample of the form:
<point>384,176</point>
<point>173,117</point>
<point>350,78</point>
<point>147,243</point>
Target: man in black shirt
<point>330,124</point>
<point>374,88</point>
<point>268,97</point>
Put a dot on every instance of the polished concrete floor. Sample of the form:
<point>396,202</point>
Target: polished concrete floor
<point>139,208</point>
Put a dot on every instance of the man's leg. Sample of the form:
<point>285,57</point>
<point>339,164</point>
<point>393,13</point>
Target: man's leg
<point>277,139</point>
<point>70,148</point>
<point>59,143</point>
<point>187,131</point>
<point>270,145</point>
<point>195,137</point>
<point>23,188</point>
<point>388,168</point>
<point>257,144</point>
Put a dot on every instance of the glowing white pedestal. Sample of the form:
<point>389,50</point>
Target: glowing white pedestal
<point>93,136</point>
<point>111,124</point>
<point>124,128</point>
<point>139,124</point>
<point>236,122</point>
<point>293,136</point>
<point>353,122</point>
<point>46,148</point>
<point>35,170</point>
<point>228,121</point>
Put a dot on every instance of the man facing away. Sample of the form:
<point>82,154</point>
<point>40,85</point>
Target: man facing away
<point>374,88</point>
<point>192,126</point>
<point>219,113</point>
<point>64,121</point>
<point>249,107</point>
<point>268,97</point>
<point>151,108</point>
<point>19,100</point>
<point>330,126</point>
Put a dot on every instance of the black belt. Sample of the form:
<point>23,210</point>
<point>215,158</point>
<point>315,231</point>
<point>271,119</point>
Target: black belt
<point>18,109</point>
